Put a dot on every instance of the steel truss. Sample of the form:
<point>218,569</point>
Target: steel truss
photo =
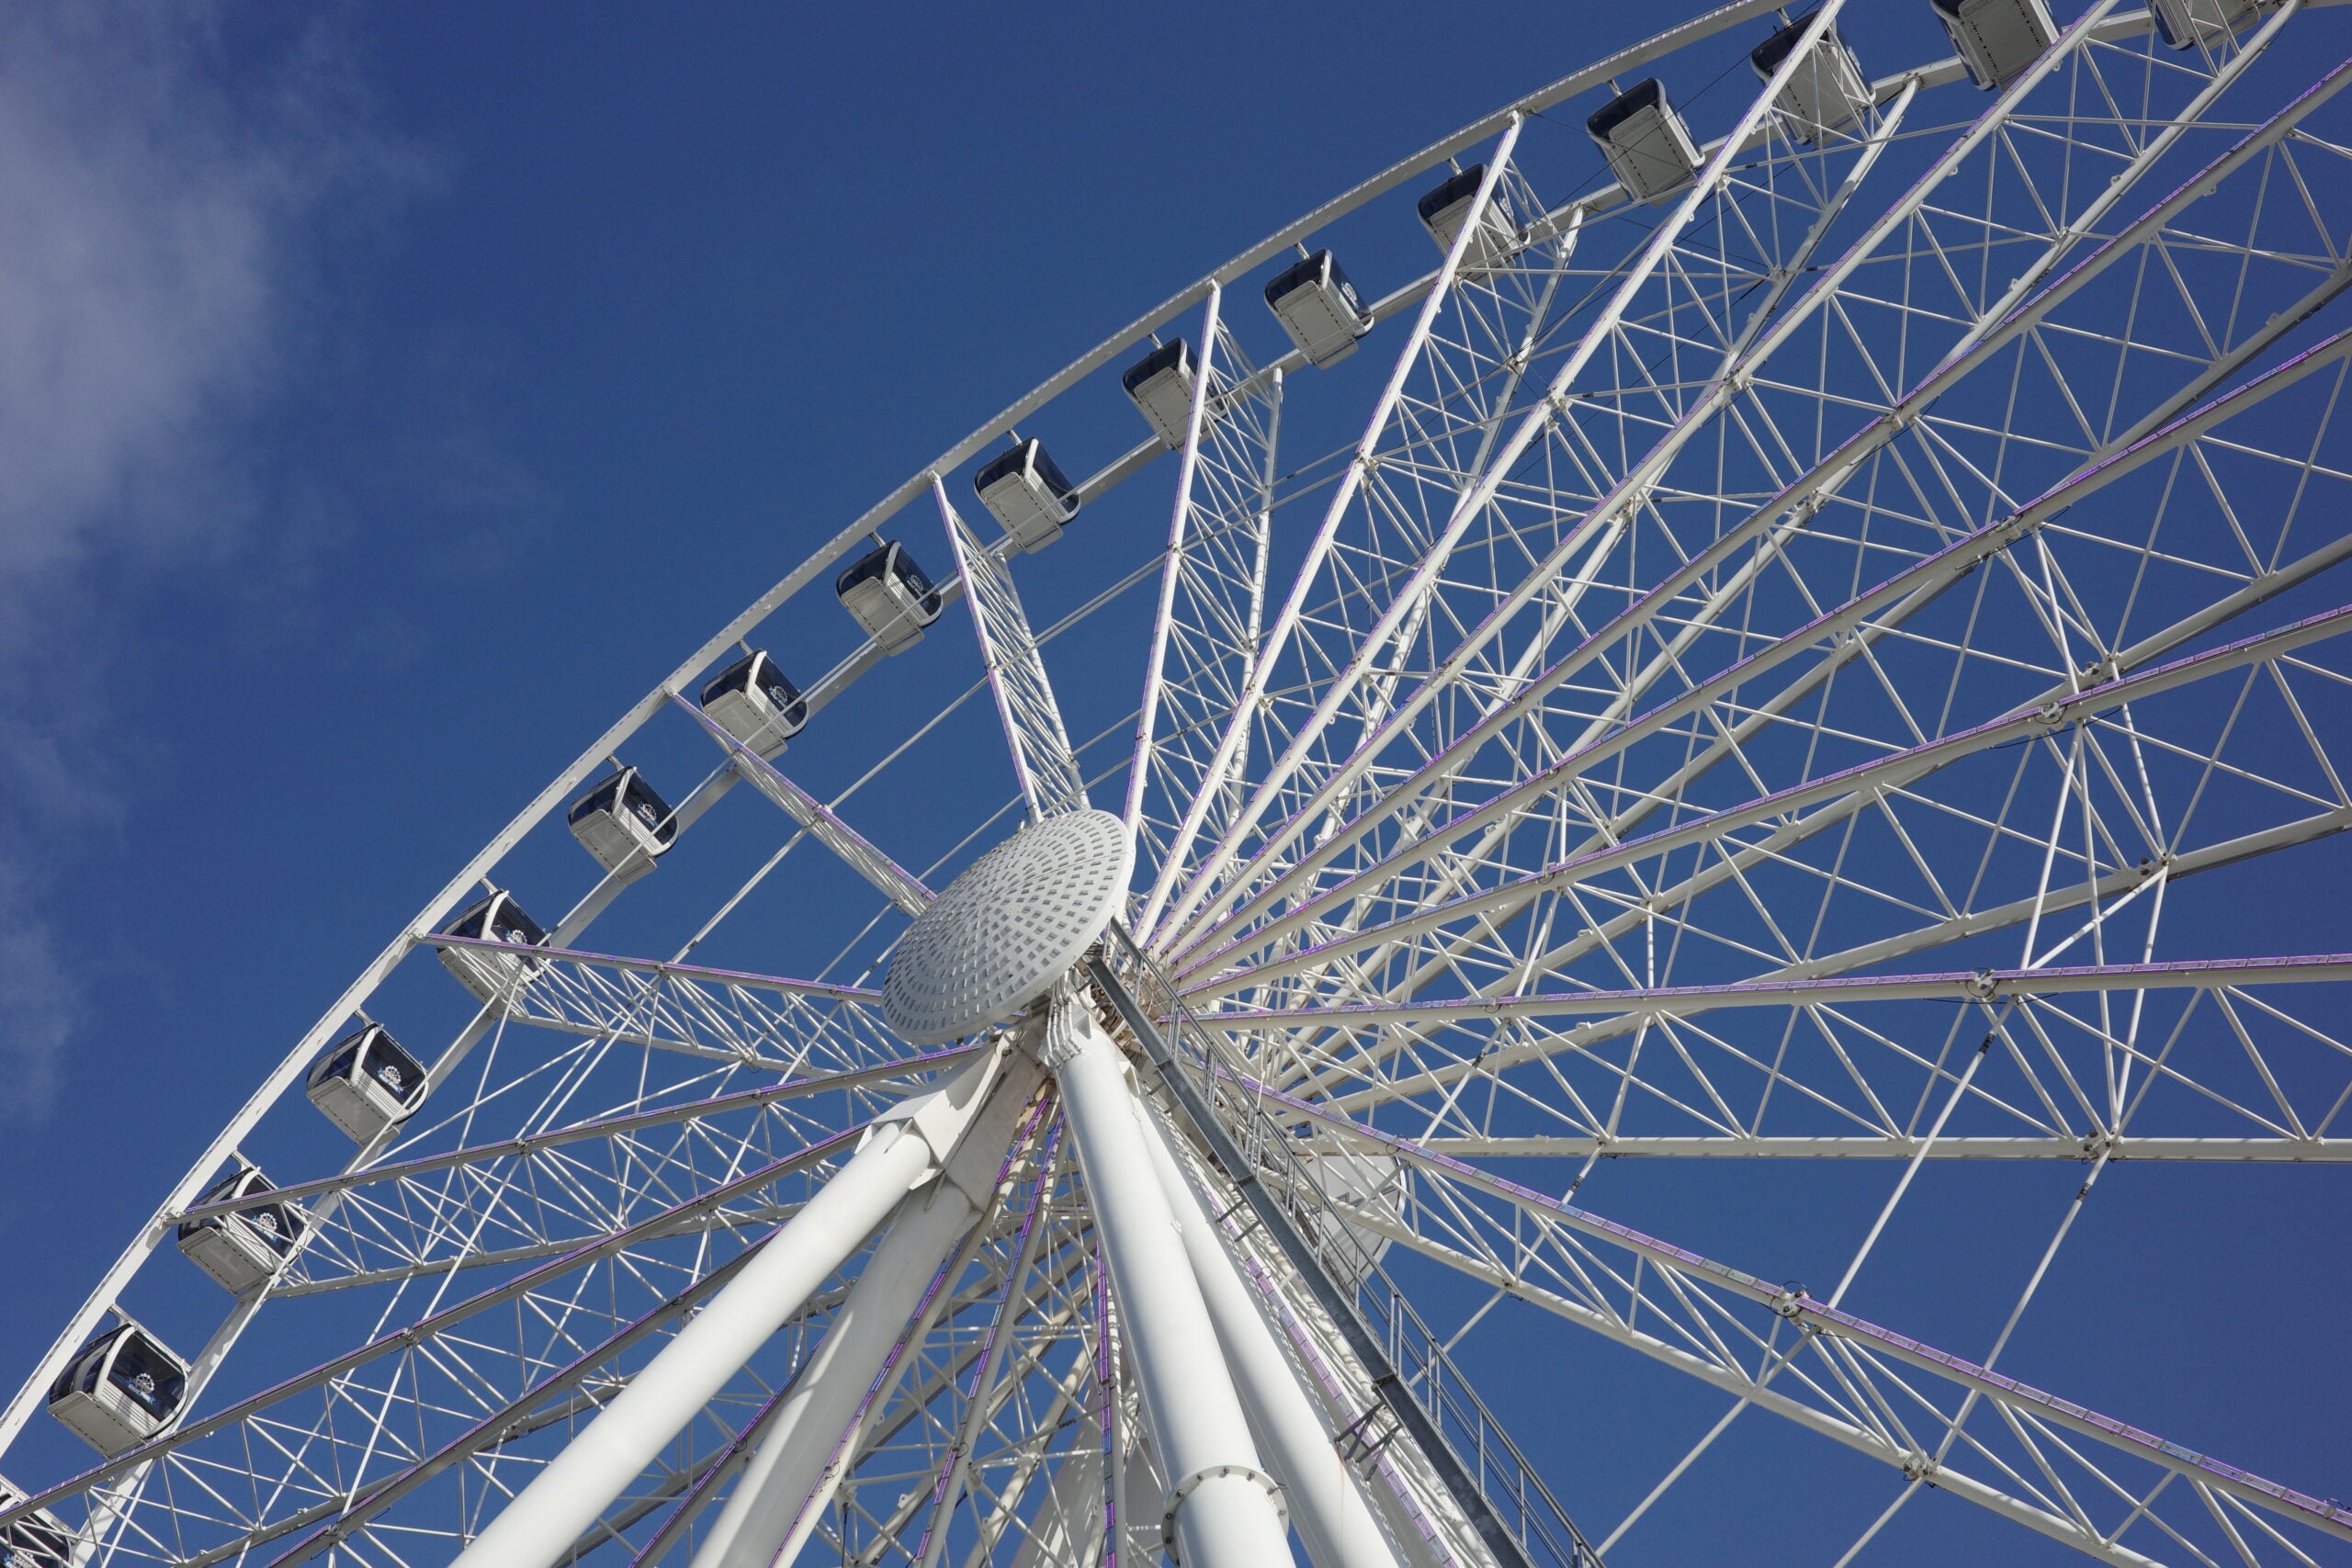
<point>1782,673</point>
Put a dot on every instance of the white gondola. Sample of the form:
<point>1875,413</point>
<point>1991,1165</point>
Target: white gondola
<point>1996,38</point>
<point>34,1539</point>
<point>2184,22</point>
<point>122,1389</point>
<point>1319,308</point>
<point>752,701</point>
<point>624,824</point>
<point>886,592</point>
<point>1827,91</point>
<point>1445,207</point>
<point>1160,385</point>
<point>1023,490</point>
<point>496,918</point>
<point>1648,147</point>
<point>366,1082</point>
<point>246,1246</point>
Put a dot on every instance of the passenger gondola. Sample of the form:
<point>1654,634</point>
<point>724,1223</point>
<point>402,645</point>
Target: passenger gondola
<point>1160,385</point>
<point>1996,38</point>
<point>1023,490</point>
<point>1648,147</point>
<point>1824,94</point>
<point>2184,22</point>
<point>752,701</point>
<point>32,1541</point>
<point>624,824</point>
<point>120,1390</point>
<point>495,918</point>
<point>1445,207</point>
<point>246,1246</point>
<point>886,592</point>
<point>1319,308</point>
<point>366,1082</point>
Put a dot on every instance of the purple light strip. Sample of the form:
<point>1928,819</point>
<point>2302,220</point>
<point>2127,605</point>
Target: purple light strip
<point>1106,1381</point>
<point>521,1147</point>
<point>664,966</point>
<point>2334,1518</point>
<point>1967,550</point>
<point>1037,1108</point>
<point>953,1458</point>
<point>1927,757</point>
<point>1979,985</point>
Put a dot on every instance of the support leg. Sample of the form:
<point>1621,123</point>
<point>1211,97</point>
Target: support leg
<point>756,1528</point>
<point>1334,1521</point>
<point>905,1152</point>
<point>1222,1502</point>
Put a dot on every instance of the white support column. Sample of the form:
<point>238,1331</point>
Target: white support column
<point>907,1149</point>
<point>1222,1503</point>
<point>1334,1521</point>
<point>756,1528</point>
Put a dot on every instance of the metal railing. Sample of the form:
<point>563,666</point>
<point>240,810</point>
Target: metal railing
<point>1349,1255</point>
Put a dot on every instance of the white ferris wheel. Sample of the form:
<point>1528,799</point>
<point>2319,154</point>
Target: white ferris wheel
<point>1754,646</point>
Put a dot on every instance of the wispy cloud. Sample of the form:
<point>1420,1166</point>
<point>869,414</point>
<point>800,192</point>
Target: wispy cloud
<point>167,177</point>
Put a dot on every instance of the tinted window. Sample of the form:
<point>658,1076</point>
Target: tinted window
<point>1461,187</point>
<point>511,924</point>
<point>1171,354</point>
<point>647,807</point>
<point>867,569</point>
<point>470,922</point>
<point>147,1377</point>
<point>1297,275</point>
<point>600,798</point>
<point>392,1067</point>
<point>1003,463</point>
<point>736,677</point>
<point>83,1368</point>
<point>1056,481</point>
<point>1641,95</point>
<point>334,1062</point>
<point>1767,56</point>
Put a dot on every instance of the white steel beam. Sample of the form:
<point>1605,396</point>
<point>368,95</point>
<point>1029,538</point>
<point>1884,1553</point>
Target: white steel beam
<point>1686,1001</point>
<point>1319,548</point>
<point>894,882</point>
<point>908,1151</point>
<point>1538,420</point>
<point>1042,764</point>
<point>1702,1277</point>
<point>1196,420</point>
<point>1334,1521</point>
<point>1223,1511</point>
<point>793,1457</point>
<point>1838,794</point>
<point>1995,329</point>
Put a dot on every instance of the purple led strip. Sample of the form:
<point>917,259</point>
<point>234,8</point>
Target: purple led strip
<point>1976,546</point>
<point>1927,756</point>
<point>1106,1382</point>
<point>2335,1518</point>
<point>1981,984</point>
<point>1038,1107</point>
<point>953,1460</point>
<point>662,966</point>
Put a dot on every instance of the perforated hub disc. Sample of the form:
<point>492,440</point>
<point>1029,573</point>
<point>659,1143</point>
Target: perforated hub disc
<point>1007,929</point>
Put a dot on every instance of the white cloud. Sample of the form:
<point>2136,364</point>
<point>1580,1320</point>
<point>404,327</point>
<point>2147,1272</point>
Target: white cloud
<point>167,174</point>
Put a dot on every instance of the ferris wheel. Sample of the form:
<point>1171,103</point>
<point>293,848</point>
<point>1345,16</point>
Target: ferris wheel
<point>1759,604</point>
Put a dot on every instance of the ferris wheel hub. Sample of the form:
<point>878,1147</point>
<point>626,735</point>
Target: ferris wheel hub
<point>1010,926</point>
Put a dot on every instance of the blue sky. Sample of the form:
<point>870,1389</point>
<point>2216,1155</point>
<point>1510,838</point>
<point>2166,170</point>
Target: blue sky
<point>390,394</point>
